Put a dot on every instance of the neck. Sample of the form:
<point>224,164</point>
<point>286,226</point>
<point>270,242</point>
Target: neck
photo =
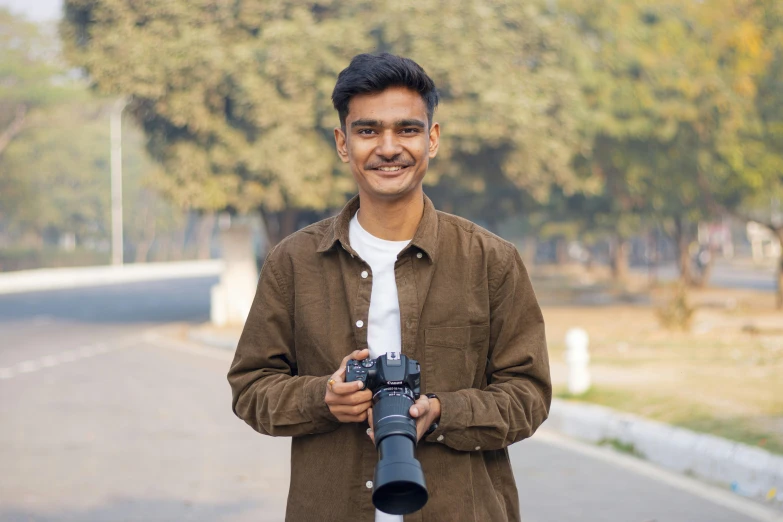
<point>392,220</point>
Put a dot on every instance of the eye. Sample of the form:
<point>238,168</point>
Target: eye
<point>365,132</point>
<point>410,130</point>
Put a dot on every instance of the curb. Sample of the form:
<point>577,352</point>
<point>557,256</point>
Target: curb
<point>62,278</point>
<point>749,471</point>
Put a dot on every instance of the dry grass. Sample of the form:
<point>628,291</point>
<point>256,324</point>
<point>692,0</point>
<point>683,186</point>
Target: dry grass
<point>724,376</point>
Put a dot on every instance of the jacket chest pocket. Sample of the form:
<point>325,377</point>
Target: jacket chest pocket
<point>455,357</point>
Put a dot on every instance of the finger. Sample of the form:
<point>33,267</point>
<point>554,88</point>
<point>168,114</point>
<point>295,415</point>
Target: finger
<point>356,354</point>
<point>350,410</point>
<point>369,418</point>
<point>421,407</point>
<point>339,375</point>
<point>346,388</point>
<point>352,418</point>
<point>353,398</point>
<point>371,433</point>
<point>341,402</point>
<point>422,425</point>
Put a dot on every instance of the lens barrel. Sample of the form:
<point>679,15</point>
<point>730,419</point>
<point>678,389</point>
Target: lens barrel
<point>399,486</point>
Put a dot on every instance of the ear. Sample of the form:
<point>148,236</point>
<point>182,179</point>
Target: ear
<point>434,139</point>
<point>340,143</point>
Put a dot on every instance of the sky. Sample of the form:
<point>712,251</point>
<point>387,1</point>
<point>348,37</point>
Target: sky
<point>35,10</point>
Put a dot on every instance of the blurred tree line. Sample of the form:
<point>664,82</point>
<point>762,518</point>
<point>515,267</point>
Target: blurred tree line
<point>54,165</point>
<point>594,119</point>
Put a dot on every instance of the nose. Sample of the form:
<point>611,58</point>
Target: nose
<point>388,146</point>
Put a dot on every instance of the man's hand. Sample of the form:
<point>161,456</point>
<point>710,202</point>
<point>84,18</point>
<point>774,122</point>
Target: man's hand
<point>425,411</point>
<point>348,401</point>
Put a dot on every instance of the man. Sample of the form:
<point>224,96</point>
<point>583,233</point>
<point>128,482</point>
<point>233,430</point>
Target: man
<point>390,273</point>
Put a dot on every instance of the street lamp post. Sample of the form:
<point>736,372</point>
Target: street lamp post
<point>116,181</point>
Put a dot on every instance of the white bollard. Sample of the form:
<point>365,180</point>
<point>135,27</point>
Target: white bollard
<point>577,359</point>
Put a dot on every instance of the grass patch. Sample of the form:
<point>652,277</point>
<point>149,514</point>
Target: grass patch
<point>735,429</point>
<point>676,411</point>
<point>622,447</point>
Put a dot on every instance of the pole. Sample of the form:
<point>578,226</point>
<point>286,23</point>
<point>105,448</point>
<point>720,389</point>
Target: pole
<point>116,181</point>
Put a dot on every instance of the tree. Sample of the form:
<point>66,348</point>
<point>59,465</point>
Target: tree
<point>236,102</point>
<point>670,94</point>
<point>755,194</point>
<point>55,179</point>
<point>30,76</point>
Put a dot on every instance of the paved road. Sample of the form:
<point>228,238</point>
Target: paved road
<point>107,417</point>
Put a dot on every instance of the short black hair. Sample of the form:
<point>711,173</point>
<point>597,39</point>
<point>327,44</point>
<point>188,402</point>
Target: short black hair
<point>369,73</point>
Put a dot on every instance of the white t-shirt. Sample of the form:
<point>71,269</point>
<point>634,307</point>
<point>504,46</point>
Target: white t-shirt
<point>383,323</point>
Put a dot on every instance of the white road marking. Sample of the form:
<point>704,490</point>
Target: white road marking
<point>87,351</point>
<point>67,356</point>
<point>27,367</point>
<point>49,360</point>
<point>91,350</point>
<point>711,493</point>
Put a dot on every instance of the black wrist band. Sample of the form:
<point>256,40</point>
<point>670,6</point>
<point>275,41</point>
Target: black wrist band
<point>434,425</point>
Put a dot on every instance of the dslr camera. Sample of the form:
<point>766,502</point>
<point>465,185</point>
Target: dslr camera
<point>395,381</point>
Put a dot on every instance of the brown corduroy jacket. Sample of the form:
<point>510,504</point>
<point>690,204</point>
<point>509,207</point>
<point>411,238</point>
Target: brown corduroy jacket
<point>468,314</point>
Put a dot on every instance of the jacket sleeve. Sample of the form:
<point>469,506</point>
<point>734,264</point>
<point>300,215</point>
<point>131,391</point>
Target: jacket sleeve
<point>519,392</point>
<point>266,391</point>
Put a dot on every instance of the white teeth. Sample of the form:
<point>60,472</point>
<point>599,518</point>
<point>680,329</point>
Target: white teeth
<point>389,169</point>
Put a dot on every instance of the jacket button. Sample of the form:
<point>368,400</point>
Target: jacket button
<point>368,484</point>
<point>418,255</point>
<point>478,448</point>
<point>440,438</point>
<point>364,274</point>
<point>359,323</point>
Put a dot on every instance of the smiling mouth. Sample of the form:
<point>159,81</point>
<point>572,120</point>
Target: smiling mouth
<point>390,168</point>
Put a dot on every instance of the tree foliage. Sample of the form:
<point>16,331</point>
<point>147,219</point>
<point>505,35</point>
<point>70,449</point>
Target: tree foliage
<point>55,178</point>
<point>235,98</point>
<point>671,96</point>
<point>30,75</point>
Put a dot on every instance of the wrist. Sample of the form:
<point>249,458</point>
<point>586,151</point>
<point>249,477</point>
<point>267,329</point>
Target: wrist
<point>435,409</point>
<point>434,412</point>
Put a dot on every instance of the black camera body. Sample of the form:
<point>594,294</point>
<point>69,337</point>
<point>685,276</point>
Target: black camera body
<point>395,381</point>
<point>392,369</point>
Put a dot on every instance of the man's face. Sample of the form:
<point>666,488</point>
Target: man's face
<point>387,142</point>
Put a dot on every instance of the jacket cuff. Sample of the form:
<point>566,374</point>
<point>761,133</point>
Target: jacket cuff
<point>315,406</point>
<point>452,408</point>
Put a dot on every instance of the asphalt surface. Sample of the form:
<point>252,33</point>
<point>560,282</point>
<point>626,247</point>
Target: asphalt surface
<point>106,417</point>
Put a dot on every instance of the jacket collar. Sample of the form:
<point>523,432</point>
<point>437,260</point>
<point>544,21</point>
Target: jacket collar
<point>425,238</point>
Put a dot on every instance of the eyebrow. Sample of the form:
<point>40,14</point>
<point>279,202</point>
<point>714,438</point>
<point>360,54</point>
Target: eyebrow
<point>399,123</point>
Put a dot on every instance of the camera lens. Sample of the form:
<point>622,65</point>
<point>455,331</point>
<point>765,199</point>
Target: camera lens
<point>399,480</point>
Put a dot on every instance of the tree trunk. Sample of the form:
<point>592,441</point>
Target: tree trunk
<point>178,242</point>
<point>619,259</point>
<point>204,236</point>
<point>779,296</point>
<point>706,268</point>
<point>14,128</point>
<point>653,257</point>
<point>148,238</point>
<point>682,242</point>
<point>528,252</point>
<point>561,251</point>
<point>280,225</point>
